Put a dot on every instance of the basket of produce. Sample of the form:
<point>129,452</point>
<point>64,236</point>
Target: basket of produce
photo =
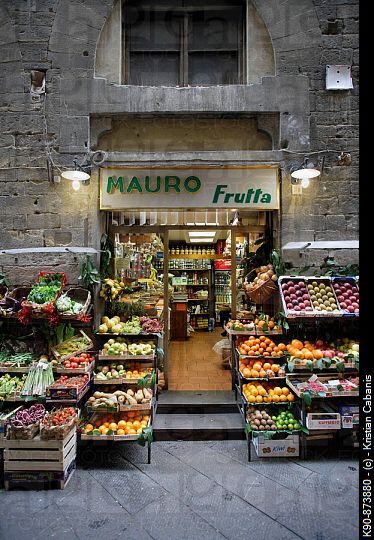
<point>15,297</point>
<point>46,290</point>
<point>71,347</point>
<point>25,424</point>
<point>262,288</point>
<point>347,293</point>
<point>73,302</point>
<point>57,424</point>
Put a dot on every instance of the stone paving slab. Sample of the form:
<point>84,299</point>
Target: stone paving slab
<point>191,490</point>
<point>185,397</point>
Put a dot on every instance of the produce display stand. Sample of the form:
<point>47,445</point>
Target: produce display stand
<point>151,381</point>
<point>27,462</point>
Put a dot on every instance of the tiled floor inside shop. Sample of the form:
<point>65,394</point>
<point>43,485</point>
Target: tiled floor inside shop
<point>193,365</point>
<point>192,490</point>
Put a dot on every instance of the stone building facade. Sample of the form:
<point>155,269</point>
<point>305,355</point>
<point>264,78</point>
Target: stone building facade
<point>75,43</point>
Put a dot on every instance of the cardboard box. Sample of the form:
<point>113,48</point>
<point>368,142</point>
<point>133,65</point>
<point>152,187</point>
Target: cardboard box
<point>347,422</point>
<point>288,446</point>
<point>323,420</point>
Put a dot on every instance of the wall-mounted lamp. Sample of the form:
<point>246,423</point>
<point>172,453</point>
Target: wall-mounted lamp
<point>77,176</point>
<point>302,174</point>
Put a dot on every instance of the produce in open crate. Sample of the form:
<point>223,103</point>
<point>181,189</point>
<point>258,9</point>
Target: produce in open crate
<point>322,296</point>
<point>16,360</point>
<point>58,423</point>
<point>116,370</point>
<point>77,381</point>
<point>79,343</point>
<point>39,377</point>
<point>347,294</point>
<point>25,424</point>
<point>11,386</point>
<point>321,354</point>
<point>266,324</point>
<point>261,346</point>
<point>263,420</point>
<point>239,326</point>
<point>120,397</point>
<point>329,386</point>
<point>295,295</point>
<point>81,360</point>
<point>260,368</point>
<point>130,423</point>
<point>264,392</point>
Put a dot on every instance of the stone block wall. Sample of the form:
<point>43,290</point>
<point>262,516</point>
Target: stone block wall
<point>60,36</point>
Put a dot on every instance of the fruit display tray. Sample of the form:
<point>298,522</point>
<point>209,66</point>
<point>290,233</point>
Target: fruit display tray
<point>353,281</point>
<point>317,282</point>
<point>283,281</point>
<point>89,345</point>
<point>330,393</point>
<point>132,357</point>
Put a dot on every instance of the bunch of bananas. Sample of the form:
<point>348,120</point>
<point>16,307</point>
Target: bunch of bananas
<point>112,289</point>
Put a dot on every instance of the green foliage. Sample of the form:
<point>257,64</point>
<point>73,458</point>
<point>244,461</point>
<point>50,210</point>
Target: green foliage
<point>4,281</point>
<point>125,309</point>
<point>107,252</point>
<point>89,275</point>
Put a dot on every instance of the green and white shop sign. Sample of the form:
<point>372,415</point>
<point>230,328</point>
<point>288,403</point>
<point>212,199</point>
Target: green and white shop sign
<point>244,187</point>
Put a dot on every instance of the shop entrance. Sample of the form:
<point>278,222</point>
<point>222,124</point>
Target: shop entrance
<point>191,276</point>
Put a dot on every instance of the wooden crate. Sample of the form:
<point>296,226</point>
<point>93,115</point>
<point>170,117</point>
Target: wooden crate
<point>37,479</point>
<point>38,455</point>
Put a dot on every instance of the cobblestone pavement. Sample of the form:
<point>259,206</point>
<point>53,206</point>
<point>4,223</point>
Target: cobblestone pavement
<point>191,490</point>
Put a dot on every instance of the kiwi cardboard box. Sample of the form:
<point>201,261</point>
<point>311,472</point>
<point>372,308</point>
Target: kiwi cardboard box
<point>287,446</point>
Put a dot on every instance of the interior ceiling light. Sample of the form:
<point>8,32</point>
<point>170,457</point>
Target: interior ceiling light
<point>201,240</point>
<point>200,234</point>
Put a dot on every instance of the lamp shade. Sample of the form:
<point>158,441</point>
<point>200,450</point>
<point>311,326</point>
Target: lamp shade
<point>302,174</point>
<point>75,175</point>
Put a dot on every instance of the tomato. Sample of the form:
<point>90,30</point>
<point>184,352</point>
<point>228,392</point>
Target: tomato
<point>74,365</point>
<point>67,365</point>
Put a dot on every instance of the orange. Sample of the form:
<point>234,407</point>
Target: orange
<point>251,399</point>
<point>271,392</point>
<point>131,414</point>
<point>285,391</point>
<point>106,424</point>
<point>120,432</point>
<point>246,372</point>
<point>267,365</point>
<point>261,350</point>
<point>121,424</point>
<point>317,354</point>
<point>262,338</point>
<point>277,390</point>
<point>281,346</point>
<point>275,397</point>
<point>262,391</point>
<point>104,431</point>
<point>269,349</point>
<point>262,373</point>
<point>291,397</point>
<point>297,344</point>
<point>282,397</point>
<point>266,353</point>
<point>143,423</point>
<point>132,431</point>
<point>136,424</point>
<point>275,368</point>
<point>267,341</point>
<point>145,418</point>
<point>257,366</point>
<point>129,424</point>
<point>257,341</point>
<point>113,426</point>
<point>259,399</point>
<point>271,324</point>
<point>254,392</point>
<point>89,427</point>
<point>254,373</point>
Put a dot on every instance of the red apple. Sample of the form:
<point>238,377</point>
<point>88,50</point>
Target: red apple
<point>293,296</point>
<point>351,309</point>
<point>297,308</point>
<point>357,310</point>
<point>343,305</point>
<point>307,302</point>
<point>289,305</point>
<point>302,306</point>
<point>292,290</point>
<point>287,299</point>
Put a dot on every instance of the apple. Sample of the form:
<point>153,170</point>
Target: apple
<point>305,297</point>
<point>293,296</point>
<point>299,293</point>
<point>308,308</point>
<point>341,298</point>
<point>295,302</point>
<point>297,308</point>
<point>355,305</point>
<point>343,305</point>
<point>306,303</point>
<point>290,283</point>
<point>289,305</point>
<point>357,310</point>
<point>351,309</point>
<point>328,354</point>
<point>287,299</point>
<point>302,306</point>
<point>292,290</point>
<point>345,295</point>
<point>301,284</point>
<point>284,287</point>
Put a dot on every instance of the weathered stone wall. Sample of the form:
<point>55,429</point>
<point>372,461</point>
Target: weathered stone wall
<point>60,37</point>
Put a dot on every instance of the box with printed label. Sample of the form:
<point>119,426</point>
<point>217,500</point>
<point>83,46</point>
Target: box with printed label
<point>323,420</point>
<point>288,446</point>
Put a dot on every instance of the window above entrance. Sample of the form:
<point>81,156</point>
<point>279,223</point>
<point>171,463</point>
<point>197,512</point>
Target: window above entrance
<point>183,42</point>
